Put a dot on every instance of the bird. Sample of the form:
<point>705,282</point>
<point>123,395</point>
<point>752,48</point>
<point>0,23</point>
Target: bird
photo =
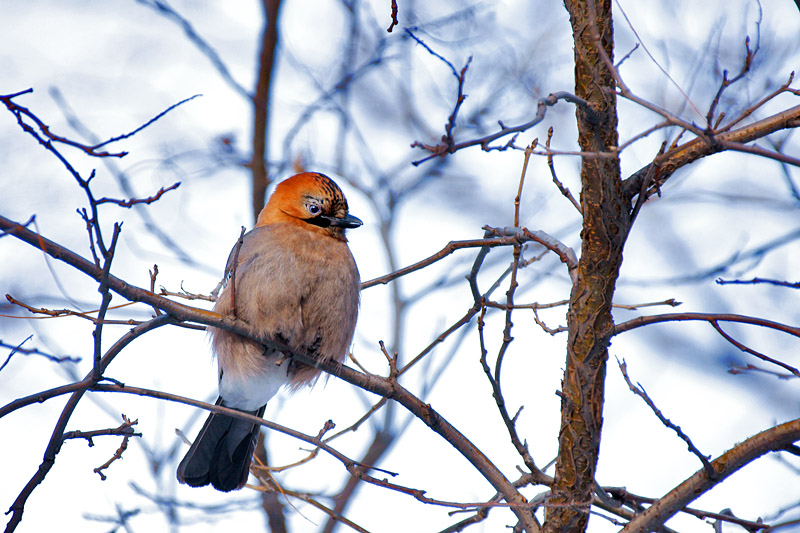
<point>292,278</point>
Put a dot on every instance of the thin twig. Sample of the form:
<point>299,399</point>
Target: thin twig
<point>780,283</point>
<point>57,313</point>
<point>20,111</point>
<point>714,320</point>
<point>564,191</point>
<point>54,445</point>
<point>773,439</point>
<point>104,290</point>
<point>394,17</point>
<point>448,249</point>
<point>749,350</point>
<point>14,349</point>
<point>485,142</point>
<point>134,201</point>
<point>639,391</point>
<point>168,12</point>
<point>35,351</point>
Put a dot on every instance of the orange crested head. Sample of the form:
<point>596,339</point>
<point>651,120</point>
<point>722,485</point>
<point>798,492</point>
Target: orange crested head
<point>311,199</point>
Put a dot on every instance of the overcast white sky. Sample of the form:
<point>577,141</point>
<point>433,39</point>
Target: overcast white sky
<point>119,63</point>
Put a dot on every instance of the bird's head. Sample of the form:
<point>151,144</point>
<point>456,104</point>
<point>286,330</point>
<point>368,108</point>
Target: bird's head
<point>309,198</point>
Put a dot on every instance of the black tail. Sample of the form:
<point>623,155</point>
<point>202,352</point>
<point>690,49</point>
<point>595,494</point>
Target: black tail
<point>221,452</point>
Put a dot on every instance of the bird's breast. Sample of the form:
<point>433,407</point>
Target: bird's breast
<point>301,287</point>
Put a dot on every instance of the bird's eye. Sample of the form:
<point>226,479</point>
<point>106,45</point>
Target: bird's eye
<point>314,209</point>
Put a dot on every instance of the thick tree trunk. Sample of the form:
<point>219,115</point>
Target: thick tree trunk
<point>606,220</point>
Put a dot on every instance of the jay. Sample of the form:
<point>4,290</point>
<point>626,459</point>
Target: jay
<point>294,279</point>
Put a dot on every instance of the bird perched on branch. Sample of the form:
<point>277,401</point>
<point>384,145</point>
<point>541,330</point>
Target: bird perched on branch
<point>294,279</point>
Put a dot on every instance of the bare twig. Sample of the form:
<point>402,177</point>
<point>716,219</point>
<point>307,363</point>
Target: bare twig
<point>541,324</point>
<point>763,152</point>
<point>518,198</point>
<point>326,99</point>
<point>377,448</point>
<point>795,285</point>
<point>150,223</point>
<point>186,295</point>
<point>494,377</point>
<point>510,423</point>
<point>564,252</point>
<point>14,349</point>
<point>143,126</point>
<point>134,201</point>
<point>167,11</point>
<point>277,524</point>
<point>35,351</point>
<point>708,317</point>
<point>455,327</point>
<point>448,139</point>
<point>357,424</point>
<point>714,320</point>
<point>485,142</point>
<point>639,391</point>
<point>628,498</point>
<point>749,350</point>
<point>449,248</point>
<point>353,467</point>
<point>653,59</point>
<point>21,111</point>
<point>54,445</point>
<point>394,17</point>
<point>671,302</point>
<point>725,83</point>
<point>773,439</point>
<point>125,430</point>
<point>55,313</point>
<point>103,289</point>
<point>738,369</point>
<point>785,88</point>
<point>566,192</point>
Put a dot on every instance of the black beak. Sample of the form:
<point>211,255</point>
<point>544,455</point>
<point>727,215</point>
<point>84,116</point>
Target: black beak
<point>347,221</point>
<point>325,221</point>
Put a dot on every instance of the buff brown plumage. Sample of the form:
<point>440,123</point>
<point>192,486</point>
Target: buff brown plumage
<point>296,281</point>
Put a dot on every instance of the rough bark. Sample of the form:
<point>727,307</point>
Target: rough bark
<point>606,221</point>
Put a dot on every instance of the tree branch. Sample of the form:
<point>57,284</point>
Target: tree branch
<point>679,156</point>
<point>56,439</point>
<point>384,387</point>
<point>770,440</point>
